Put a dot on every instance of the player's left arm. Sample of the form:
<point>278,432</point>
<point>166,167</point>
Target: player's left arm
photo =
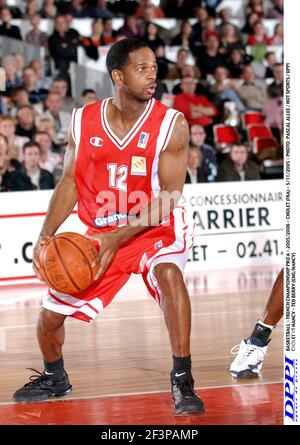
<point>172,172</point>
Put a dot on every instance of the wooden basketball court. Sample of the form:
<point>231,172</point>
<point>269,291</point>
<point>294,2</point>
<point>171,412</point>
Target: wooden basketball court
<point>119,366</point>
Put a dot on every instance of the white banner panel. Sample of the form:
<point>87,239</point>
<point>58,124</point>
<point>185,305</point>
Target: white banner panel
<point>237,225</point>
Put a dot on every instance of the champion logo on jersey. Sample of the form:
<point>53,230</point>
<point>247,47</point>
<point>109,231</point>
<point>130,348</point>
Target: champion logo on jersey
<point>96,141</point>
<point>143,139</point>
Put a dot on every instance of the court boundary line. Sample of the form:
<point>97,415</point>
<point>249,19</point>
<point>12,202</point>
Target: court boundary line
<point>143,393</point>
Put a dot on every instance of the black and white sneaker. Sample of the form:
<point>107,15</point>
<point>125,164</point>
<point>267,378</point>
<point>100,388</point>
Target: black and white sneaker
<point>249,359</point>
<point>185,399</point>
<point>42,387</point>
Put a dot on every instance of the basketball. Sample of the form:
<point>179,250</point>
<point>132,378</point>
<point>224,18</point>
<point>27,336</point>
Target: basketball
<point>66,262</point>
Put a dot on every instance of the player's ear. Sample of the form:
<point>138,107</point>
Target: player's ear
<point>117,77</point>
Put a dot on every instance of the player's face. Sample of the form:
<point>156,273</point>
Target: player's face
<point>139,75</point>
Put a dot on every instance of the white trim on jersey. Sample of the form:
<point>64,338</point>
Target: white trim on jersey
<point>76,127</point>
<point>68,305</point>
<point>165,132</point>
<point>122,143</point>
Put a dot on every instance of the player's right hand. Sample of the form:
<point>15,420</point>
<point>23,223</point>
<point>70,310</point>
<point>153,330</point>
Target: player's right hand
<point>36,264</point>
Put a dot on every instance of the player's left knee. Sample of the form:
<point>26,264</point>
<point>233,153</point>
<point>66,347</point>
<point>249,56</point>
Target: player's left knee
<point>167,272</point>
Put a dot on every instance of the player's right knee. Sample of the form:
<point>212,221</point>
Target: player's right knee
<point>49,320</point>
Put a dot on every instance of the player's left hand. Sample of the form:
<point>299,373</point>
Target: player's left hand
<point>109,244</point>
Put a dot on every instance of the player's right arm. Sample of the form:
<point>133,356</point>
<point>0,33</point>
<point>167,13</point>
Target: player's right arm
<point>63,199</point>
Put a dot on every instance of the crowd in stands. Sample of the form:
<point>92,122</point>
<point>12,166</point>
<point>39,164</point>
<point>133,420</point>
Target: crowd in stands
<point>226,77</point>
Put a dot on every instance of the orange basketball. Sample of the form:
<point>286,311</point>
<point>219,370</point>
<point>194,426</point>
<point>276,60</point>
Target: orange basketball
<point>66,262</point>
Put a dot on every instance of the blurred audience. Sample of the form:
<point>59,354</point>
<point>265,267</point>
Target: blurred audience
<point>237,166</point>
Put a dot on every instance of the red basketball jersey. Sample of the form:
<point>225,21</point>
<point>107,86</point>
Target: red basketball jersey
<point>113,176</point>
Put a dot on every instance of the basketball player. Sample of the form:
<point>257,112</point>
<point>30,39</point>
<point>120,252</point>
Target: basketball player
<point>253,349</point>
<point>119,147</point>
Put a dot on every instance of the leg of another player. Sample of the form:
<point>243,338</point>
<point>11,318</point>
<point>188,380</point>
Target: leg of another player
<point>54,381</point>
<point>274,309</point>
<point>249,360</point>
<point>176,307</point>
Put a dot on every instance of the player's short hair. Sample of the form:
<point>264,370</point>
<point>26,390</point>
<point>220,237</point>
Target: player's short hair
<point>118,55</point>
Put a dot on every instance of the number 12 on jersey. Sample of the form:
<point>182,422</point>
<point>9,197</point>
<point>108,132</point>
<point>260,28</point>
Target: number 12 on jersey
<point>117,176</point>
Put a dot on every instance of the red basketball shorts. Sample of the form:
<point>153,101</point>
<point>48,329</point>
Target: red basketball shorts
<point>161,244</point>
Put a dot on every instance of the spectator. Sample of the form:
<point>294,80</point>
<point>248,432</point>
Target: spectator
<point>276,12</point>
<point>31,9</point>
<point>175,72</point>
<point>157,12</point>
<point>237,61</point>
<point>162,62</point>
<point>259,36</point>
<point>270,61</point>
<point>196,108</point>
<point>3,107</point>
<point>125,7</point>
<point>252,91</point>
<point>60,86</point>
<point>210,28</point>
<point>49,9</point>
<point>36,95</point>
<point>77,8</point>
<point>109,34</point>
<point>278,78</point>
<point>47,124</point>
<point>210,57</point>
<point>192,71</point>
<point>15,143</point>
<point>12,79</point>
<point>225,89</point>
<point>72,33</point>
<point>61,119</point>
<point>179,9</point>
<point>194,173</point>
<point>184,38</point>
<point>225,17</point>
<point>20,97</point>
<point>250,20</point>
<point>255,6</point>
<point>36,36</point>
<point>230,40</point>
<point>92,43</point>
<point>151,36</point>
<point>62,46</point>
<point>30,176</point>
<point>43,82</point>
<point>237,166</point>
<point>277,38</point>
<point>7,165</point>
<point>20,61</point>
<point>88,96</point>
<point>6,28</point>
<point>101,10</point>
<point>131,28</point>
<point>26,122</point>
<point>209,163</point>
<point>273,111</point>
<point>201,16</point>
<point>15,11</point>
<point>49,159</point>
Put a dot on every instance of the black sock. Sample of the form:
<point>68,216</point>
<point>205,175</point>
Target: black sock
<point>181,365</point>
<point>54,369</point>
<point>261,332</point>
